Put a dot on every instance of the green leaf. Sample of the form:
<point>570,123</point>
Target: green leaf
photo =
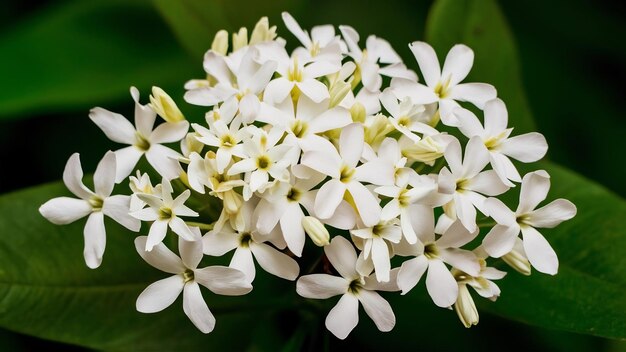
<point>480,25</point>
<point>47,291</point>
<point>587,295</point>
<point>73,55</point>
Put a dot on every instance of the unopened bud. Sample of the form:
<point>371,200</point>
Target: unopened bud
<point>232,202</point>
<point>163,105</point>
<point>191,144</point>
<point>338,91</point>
<point>517,261</point>
<point>220,42</point>
<point>262,32</point>
<point>357,111</point>
<point>240,39</point>
<point>465,307</point>
<point>377,130</point>
<point>426,150</point>
<point>316,231</point>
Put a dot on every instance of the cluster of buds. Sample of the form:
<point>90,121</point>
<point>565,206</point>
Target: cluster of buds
<point>334,146</point>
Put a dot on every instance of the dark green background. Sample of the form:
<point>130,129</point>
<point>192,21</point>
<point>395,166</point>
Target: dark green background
<point>572,56</point>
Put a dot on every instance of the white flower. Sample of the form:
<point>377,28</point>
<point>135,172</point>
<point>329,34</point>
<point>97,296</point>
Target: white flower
<point>161,294</point>
<point>377,51</point>
<point>376,248</point>
<point>283,205</point>
<point>245,81</point>
<point>501,239</point>
<point>347,177</point>
<point>528,147</point>
<point>353,287</point>
<point>467,182</point>
<point>406,116</point>
<point>140,184</point>
<point>263,157</point>
<point>165,211</point>
<point>322,44</point>
<point>227,139</point>
<point>443,85</point>
<point>143,140</point>
<point>65,210</point>
<point>431,254</point>
<point>248,243</point>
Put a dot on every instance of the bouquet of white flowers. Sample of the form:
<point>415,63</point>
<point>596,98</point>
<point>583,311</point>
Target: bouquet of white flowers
<point>336,145</point>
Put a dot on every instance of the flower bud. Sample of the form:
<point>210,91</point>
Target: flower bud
<point>517,261</point>
<point>232,202</point>
<point>316,231</point>
<point>357,112</point>
<point>465,307</point>
<point>163,105</point>
<point>220,42</point>
<point>338,91</point>
<point>262,32</point>
<point>426,150</point>
<point>240,39</point>
<point>377,130</point>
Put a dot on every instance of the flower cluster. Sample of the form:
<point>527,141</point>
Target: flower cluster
<point>333,144</point>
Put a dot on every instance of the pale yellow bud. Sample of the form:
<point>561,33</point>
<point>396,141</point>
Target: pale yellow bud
<point>426,150</point>
<point>262,32</point>
<point>163,105</point>
<point>316,231</point>
<point>465,307</point>
<point>240,39</point>
<point>518,262</point>
<point>191,144</point>
<point>377,130</point>
<point>220,42</point>
<point>232,202</point>
<point>357,112</point>
<point>338,91</point>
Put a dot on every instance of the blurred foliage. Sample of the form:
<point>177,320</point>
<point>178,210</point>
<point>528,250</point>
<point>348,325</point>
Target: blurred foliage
<point>60,59</point>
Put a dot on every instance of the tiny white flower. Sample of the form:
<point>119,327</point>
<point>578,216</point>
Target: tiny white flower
<point>321,44</point>
<point>501,239</point>
<point>406,116</point>
<point>65,210</point>
<point>353,287</point>
<point>143,140</point>
<point>166,212</point>
<point>528,147</point>
<point>443,85</point>
<point>161,294</point>
<point>376,247</point>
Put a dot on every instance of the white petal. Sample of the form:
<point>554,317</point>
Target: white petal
<point>455,236</point>
<point>366,203</point>
<point>277,90</point>
<point>117,207</point>
<point>465,211</point>
<point>476,157</point>
<point>427,61</point>
<point>220,242</point>
<point>552,214</point>
<point>159,257</point>
<point>314,89</point>
<point>169,132</point>
<point>500,240</point>
<point>242,261</point>
<point>190,252</point>
<point>291,226</point>
<point>242,166</point>
<point>441,285</point>
<point>378,172</point>
<point>249,106</point>
<point>321,68</point>
<point>453,157</point>
<point>411,272</point>
<point>468,123</point>
<point>95,239</point>
<point>65,210</point>
<point>321,286</point>
<point>115,126</point>
<point>476,93</point>
<point>342,256</point>
<point>160,294</point>
<point>126,159</point>
<point>157,233</point>
<point>488,183</point>
<point>223,280</point>
<point>104,177</point>
<point>328,198</point>
<point>539,252</point>
<point>380,257</point>
<point>459,62</point>
<point>73,177</point>
<point>343,317</point>
<point>535,187</point>
<point>196,309</point>
<point>334,118</point>
<point>378,309</point>
<point>351,144</point>
<point>275,262</point>
<point>499,211</point>
<point>462,259</point>
<point>164,160</point>
<point>344,217</point>
<point>295,29</point>
<point>496,117</point>
<point>526,148</point>
<point>181,229</point>
<point>326,163</point>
